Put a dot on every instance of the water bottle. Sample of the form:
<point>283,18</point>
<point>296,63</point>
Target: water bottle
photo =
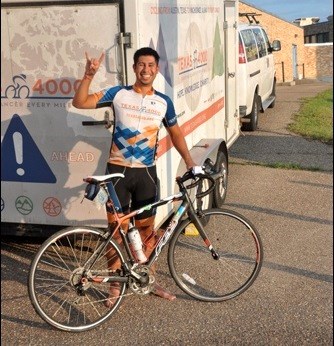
<point>137,244</point>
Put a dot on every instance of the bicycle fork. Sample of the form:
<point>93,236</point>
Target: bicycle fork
<point>199,226</point>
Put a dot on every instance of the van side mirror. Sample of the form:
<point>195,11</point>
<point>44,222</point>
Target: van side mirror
<point>276,46</point>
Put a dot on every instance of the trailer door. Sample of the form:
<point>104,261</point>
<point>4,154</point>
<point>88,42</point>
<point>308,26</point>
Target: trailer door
<point>45,149</point>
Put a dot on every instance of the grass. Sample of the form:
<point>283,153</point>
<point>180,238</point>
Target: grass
<point>315,118</point>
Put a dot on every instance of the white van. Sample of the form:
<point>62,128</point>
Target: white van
<point>257,80</point>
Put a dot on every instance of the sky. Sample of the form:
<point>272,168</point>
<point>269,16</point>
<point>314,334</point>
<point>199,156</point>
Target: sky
<point>293,9</point>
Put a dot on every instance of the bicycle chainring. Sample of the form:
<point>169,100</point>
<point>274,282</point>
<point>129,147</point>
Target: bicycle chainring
<point>138,287</point>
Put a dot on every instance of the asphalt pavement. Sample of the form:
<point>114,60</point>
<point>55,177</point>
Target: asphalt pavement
<point>290,303</point>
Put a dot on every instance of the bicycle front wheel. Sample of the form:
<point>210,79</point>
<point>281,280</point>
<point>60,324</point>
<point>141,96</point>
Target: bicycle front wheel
<point>240,251</point>
<point>60,284</point>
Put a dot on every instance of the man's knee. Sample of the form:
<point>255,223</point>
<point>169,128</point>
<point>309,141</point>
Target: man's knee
<point>146,226</point>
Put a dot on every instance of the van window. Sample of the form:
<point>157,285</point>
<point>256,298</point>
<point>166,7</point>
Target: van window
<point>260,42</point>
<point>266,39</point>
<point>250,44</point>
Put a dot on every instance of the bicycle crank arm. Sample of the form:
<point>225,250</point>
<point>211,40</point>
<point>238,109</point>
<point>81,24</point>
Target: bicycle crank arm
<point>102,279</point>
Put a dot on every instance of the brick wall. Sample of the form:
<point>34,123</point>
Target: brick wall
<point>314,62</point>
<point>319,61</point>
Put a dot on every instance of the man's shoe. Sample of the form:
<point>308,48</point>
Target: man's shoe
<point>114,293</point>
<point>162,293</point>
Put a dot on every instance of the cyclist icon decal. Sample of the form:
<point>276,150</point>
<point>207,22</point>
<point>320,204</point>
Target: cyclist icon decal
<point>17,90</point>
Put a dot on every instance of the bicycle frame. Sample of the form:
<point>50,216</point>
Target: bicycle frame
<point>116,226</point>
<point>185,207</point>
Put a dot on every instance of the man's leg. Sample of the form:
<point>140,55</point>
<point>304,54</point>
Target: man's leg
<point>149,238</point>
<point>114,263</point>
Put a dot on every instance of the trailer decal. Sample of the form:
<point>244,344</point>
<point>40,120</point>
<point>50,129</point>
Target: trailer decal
<point>24,205</point>
<point>52,206</point>
<point>165,143</point>
<point>21,160</point>
<point>163,64</point>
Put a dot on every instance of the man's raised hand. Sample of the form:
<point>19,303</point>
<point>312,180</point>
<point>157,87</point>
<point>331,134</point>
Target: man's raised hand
<point>92,65</point>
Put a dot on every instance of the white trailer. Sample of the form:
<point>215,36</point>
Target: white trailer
<point>48,146</point>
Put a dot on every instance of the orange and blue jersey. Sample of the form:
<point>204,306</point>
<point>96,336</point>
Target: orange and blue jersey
<point>137,122</point>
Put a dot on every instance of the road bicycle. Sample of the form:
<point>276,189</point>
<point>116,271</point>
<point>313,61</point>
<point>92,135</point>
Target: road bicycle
<point>213,255</point>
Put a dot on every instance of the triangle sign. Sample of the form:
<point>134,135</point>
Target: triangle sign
<point>21,160</point>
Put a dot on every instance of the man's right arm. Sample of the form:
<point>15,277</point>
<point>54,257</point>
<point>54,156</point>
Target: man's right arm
<point>81,98</point>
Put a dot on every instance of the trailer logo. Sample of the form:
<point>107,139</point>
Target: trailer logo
<point>52,206</point>
<point>24,205</point>
<point>21,160</point>
<point>17,90</point>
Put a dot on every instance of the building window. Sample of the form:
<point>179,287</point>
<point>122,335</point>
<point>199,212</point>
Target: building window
<point>317,38</point>
<point>323,37</point>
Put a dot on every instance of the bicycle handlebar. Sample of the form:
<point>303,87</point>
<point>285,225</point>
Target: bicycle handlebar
<point>189,175</point>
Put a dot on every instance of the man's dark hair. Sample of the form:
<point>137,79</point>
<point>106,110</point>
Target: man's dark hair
<point>146,51</point>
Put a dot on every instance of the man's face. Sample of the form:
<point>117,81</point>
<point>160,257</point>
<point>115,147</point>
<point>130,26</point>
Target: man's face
<point>146,70</point>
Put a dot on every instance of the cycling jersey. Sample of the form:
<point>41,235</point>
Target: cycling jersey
<point>138,119</point>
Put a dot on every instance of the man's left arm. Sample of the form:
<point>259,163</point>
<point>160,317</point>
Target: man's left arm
<point>180,144</point>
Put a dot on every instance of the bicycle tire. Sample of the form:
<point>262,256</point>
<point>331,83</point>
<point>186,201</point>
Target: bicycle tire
<point>57,269</point>
<point>240,250</point>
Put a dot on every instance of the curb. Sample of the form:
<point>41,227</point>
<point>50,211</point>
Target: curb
<point>302,81</point>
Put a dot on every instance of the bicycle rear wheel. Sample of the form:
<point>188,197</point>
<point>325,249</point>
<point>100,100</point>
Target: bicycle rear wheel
<point>60,287</point>
<point>201,276</point>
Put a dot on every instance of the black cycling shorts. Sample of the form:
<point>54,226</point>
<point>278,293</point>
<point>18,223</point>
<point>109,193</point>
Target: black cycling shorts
<point>139,187</point>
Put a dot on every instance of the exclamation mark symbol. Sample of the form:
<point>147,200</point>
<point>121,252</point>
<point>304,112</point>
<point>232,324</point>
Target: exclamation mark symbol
<point>18,148</point>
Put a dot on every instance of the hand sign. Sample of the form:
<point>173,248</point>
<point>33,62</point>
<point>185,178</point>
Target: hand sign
<point>93,64</point>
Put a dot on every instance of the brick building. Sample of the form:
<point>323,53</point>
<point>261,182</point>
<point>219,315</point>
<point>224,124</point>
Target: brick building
<point>295,60</point>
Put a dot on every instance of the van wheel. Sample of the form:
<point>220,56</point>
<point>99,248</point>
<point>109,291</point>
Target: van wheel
<point>253,116</point>
<point>273,93</point>
<point>220,190</point>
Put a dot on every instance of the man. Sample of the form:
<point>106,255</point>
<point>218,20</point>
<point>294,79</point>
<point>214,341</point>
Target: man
<point>139,111</point>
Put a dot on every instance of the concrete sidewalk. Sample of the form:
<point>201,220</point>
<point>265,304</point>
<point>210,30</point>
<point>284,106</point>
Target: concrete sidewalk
<point>273,143</point>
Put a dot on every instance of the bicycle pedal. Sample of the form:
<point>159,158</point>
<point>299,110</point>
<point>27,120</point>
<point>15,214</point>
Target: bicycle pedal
<point>191,230</point>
